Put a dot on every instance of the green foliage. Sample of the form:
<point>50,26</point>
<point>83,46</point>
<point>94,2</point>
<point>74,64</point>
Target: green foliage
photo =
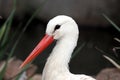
<point>113,59</point>
<point>5,40</point>
<point>4,33</point>
<point>111,22</point>
<point>78,49</point>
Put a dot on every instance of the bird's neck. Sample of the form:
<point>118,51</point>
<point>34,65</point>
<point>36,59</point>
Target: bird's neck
<point>61,54</point>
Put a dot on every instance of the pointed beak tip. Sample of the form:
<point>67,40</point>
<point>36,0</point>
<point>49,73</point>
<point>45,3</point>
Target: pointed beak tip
<point>44,43</point>
<point>21,66</point>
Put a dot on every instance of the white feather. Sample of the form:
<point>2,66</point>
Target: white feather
<point>56,67</point>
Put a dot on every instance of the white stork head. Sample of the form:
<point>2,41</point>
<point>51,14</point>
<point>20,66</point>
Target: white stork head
<point>60,27</point>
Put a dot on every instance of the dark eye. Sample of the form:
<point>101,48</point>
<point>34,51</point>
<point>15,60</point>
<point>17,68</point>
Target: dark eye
<point>57,27</point>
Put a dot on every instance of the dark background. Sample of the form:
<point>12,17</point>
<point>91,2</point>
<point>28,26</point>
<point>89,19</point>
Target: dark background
<point>95,30</point>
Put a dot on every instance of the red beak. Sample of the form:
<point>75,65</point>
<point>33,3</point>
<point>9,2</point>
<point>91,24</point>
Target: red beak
<point>44,43</point>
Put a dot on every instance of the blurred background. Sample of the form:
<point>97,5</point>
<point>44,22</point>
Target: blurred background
<point>96,33</point>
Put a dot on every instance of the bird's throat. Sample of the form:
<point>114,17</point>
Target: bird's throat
<point>60,57</point>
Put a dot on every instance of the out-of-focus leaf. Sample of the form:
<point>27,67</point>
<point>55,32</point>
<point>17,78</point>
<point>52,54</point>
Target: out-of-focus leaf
<point>4,37</point>
<point>114,25</point>
<point>112,61</point>
<point>2,31</point>
<point>78,49</point>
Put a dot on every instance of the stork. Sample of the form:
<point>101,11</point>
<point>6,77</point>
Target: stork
<point>65,30</point>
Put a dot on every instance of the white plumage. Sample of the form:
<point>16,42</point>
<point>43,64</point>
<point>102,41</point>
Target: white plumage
<point>56,67</point>
<point>65,30</point>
